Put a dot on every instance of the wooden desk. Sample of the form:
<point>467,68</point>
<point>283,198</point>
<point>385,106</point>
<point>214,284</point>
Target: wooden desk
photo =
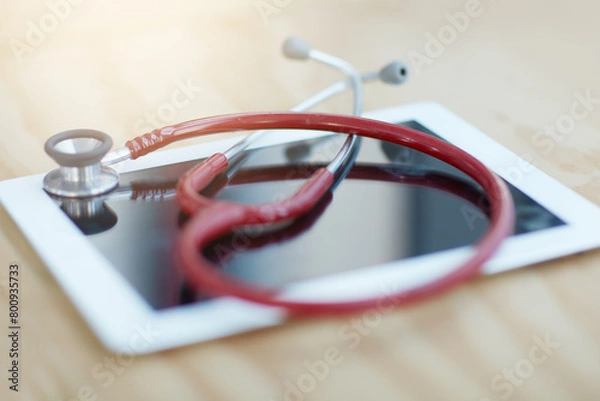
<point>510,70</point>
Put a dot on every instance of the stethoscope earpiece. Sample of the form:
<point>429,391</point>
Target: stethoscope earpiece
<point>296,48</point>
<point>79,153</point>
<point>395,73</point>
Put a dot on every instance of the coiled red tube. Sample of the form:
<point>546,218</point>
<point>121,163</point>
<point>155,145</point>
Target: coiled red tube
<point>215,218</point>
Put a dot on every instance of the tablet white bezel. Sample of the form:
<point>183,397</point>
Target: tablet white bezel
<point>126,323</point>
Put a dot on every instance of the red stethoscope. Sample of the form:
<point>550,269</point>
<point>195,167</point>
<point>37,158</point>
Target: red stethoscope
<point>84,172</point>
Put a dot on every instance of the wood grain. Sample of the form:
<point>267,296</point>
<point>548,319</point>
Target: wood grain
<point>515,68</point>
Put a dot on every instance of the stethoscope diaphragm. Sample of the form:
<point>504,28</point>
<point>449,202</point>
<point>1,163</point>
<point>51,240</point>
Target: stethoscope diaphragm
<point>79,153</point>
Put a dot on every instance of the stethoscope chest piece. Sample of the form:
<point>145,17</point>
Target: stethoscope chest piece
<point>79,153</point>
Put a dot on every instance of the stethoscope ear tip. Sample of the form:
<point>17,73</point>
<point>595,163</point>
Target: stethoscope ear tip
<point>296,48</point>
<point>395,73</point>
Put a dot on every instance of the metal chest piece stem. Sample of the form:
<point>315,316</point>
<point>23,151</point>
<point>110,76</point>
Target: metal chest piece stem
<point>79,153</point>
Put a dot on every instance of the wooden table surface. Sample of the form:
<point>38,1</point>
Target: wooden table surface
<point>511,69</point>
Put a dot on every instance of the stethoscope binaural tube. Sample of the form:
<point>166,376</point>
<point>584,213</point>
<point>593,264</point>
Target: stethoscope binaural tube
<point>299,49</point>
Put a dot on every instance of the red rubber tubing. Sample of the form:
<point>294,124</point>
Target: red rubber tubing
<point>198,178</point>
<point>214,219</point>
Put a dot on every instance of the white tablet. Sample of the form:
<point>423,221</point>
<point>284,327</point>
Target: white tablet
<point>400,218</point>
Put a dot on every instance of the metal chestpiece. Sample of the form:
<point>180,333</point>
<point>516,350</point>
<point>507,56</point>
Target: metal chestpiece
<point>79,153</point>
